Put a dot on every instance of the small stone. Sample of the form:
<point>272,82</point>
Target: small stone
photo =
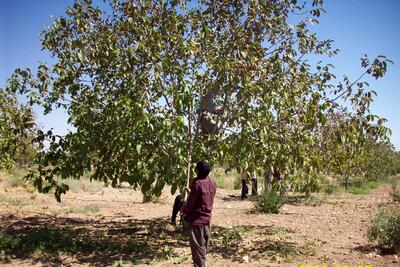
<point>246,259</point>
<point>395,260</point>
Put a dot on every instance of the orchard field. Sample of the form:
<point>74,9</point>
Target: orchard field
<point>148,89</point>
<point>103,226</point>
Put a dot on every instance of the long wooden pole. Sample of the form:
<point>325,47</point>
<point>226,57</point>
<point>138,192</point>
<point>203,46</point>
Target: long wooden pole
<point>190,148</point>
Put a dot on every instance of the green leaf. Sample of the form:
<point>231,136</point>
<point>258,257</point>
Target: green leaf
<point>138,148</point>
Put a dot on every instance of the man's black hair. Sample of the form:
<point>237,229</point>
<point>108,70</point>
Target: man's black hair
<point>203,169</point>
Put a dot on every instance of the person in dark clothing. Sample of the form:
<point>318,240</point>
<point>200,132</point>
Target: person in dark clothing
<point>197,212</point>
<point>178,204</point>
<point>245,189</point>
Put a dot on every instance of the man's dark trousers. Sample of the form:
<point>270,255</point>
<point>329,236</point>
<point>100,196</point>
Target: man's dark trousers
<point>199,238</point>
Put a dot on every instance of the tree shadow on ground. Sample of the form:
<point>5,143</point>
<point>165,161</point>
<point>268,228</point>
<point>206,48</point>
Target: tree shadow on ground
<point>366,249</point>
<point>232,198</point>
<point>295,200</point>
<point>58,240</point>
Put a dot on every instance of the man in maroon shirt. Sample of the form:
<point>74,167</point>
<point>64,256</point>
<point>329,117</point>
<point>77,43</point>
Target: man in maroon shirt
<point>197,212</point>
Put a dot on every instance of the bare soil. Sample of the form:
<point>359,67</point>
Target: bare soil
<point>113,226</point>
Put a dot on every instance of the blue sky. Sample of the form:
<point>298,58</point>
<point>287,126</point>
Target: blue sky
<point>357,26</point>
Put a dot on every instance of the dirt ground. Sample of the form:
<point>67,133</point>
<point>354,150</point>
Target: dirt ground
<point>112,227</point>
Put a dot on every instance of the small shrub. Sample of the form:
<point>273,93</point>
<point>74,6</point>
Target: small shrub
<point>16,181</point>
<point>385,229</point>
<point>358,190</point>
<point>358,182</point>
<point>332,189</point>
<point>372,184</point>
<point>329,190</point>
<point>268,202</point>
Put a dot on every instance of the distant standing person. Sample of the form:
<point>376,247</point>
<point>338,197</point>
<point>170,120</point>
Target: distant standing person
<point>197,212</point>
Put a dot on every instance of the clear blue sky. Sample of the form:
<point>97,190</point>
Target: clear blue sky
<point>357,26</point>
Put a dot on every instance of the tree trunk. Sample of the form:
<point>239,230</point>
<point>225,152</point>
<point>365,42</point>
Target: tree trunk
<point>267,179</point>
<point>347,183</point>
<point>254,186</point>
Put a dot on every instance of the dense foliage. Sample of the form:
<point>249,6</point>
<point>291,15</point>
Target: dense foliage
<point>141,80</point>
<point>17,126</point>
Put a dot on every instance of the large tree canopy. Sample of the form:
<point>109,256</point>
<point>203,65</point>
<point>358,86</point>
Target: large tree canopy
<point>141,80</point>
